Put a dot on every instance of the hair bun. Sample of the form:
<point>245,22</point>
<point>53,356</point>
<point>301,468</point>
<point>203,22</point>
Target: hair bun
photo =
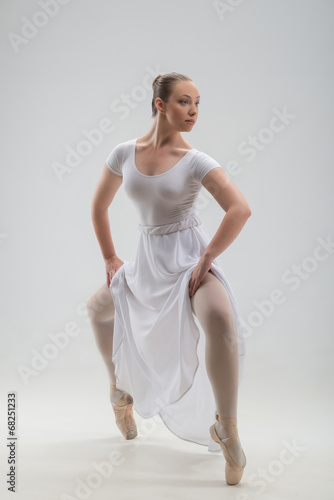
<point>155,81</point>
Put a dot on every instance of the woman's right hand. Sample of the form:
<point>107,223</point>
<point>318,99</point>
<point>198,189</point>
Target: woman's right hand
<point>112,265</point>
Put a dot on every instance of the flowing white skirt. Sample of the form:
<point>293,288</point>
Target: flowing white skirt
<point>159,344</point>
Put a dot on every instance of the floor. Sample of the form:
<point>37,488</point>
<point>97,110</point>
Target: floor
<point>69,447</point>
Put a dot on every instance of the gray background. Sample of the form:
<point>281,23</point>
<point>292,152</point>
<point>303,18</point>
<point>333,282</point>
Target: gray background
<point>93,61</point>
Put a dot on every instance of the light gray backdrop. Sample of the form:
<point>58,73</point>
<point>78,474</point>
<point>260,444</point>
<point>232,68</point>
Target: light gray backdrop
<point>77,81</point>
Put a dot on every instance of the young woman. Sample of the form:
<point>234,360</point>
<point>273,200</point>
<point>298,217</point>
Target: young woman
<point>150,317</point>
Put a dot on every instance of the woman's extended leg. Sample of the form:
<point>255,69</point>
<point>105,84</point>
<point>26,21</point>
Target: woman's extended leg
<point>101,313</point>
<point>211,304</point>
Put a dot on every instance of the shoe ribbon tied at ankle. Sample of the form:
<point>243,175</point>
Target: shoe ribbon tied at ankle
<point>230,423</point>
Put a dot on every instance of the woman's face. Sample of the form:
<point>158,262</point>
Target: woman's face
<point>183,106</point>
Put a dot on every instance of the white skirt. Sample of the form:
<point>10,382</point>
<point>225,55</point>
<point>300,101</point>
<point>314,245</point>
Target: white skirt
<point>159,344</point>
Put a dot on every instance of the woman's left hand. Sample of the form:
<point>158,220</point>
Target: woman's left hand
<point>203,266</point>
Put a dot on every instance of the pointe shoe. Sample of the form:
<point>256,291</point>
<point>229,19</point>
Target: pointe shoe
<point>233,471</point>
<point>123,410</point>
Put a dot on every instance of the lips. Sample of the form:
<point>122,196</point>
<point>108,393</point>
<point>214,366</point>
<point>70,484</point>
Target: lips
<point>190,121</point>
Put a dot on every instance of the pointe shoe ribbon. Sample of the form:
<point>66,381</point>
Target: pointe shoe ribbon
<point>233,471</point>
<point>123,411</point>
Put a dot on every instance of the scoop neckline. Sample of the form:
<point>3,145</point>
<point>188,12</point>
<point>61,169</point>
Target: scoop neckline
<point>134,142</point>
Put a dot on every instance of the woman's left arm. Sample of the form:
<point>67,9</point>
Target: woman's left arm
<point>233,203</point>
<point>237,212</point>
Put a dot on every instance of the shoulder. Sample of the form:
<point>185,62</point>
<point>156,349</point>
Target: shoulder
<point>120,149</point>
<point>116,157</point>
<point>201,164</point>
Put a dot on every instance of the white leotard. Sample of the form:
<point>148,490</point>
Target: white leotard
<point>163,198</point>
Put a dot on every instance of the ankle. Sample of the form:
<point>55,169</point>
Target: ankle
<point>115,395</point>
<point>115,390</point>
<point>226,426</point>
<point>227,422</point>
<point>223,432</point>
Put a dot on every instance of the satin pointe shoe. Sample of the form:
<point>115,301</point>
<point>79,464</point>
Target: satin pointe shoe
<point>123,410</point>
<point>233,471</point>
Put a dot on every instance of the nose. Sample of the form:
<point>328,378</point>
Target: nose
<point>193,111</point>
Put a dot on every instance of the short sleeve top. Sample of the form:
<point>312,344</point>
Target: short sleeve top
<point>162,198</point>
<point>202,164</point>
<point>115,159</point>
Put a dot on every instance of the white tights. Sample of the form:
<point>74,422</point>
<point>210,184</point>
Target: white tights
<point>212,306</point>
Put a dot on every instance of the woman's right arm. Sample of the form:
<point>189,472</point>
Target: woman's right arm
<point>104,193</point>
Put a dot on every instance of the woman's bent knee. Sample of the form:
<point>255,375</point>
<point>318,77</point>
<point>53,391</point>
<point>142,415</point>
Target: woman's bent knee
<point>211,304</point>
<point>100,306</point>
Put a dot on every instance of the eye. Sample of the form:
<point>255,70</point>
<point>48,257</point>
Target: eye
<point>185,100</point>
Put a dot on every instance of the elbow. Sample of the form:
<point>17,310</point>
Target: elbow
<point>246,210</point>
<point>243,210</point>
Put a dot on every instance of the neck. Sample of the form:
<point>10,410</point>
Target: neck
<point>161,134</point>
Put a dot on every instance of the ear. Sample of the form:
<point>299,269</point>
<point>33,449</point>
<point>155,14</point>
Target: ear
<point>159,105</point>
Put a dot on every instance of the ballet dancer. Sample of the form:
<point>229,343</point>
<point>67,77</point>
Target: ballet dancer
<point>163,156</point>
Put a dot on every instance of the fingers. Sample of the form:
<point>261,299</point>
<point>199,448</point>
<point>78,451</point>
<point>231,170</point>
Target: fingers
<point>110,277</point>
<point>192,287</point>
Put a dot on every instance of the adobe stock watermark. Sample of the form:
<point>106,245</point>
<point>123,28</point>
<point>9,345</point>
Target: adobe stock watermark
<point>121,107</point>
<point>249,147</point>
<point>294,277</point>
<point>225,8</point>
<point>41,358</point>
<point>59,341</point>
<point>102,470</point>
<point>255,143</point>
<point>267,475</point>
<point>94,479</point>
<point>31,28</point>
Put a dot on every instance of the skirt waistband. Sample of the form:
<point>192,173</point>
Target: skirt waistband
<point>191,221</point>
